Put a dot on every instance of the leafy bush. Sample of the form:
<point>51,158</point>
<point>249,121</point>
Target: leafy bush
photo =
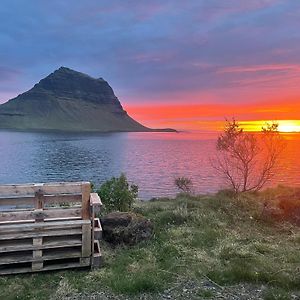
<point>184,184</point>
<point>118,194</point>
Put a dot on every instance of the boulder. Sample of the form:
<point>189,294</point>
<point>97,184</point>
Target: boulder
<point>126,228</point>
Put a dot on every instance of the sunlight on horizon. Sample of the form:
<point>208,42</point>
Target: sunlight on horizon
<point>283,125</point>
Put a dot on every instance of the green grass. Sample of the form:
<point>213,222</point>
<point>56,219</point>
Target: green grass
<point>215,236</point>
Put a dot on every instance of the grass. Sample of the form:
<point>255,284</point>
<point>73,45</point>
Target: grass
<point>216,237</point>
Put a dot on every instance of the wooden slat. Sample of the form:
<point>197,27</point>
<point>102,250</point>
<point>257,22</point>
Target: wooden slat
<point>14,201</point>
<point>13,246</point>
<point>13,258</point>
<point>93,227</point>
<point>43,226</point>
<point>97,230</point>
<point>86,240</point>
<point>59,266</point>
<point>36,254</point>
<point>97,257</point>
<point>16,270</point>
<point>32,234</point>
<point>45,188</point>
<point>85,191</point>
<point>48,199</point>
<point>36,214</point>
<point>95,199</point>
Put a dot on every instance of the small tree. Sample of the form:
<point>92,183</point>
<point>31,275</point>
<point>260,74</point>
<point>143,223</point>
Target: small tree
<point>247,160</point>
<point>184,184</point>
<point>117,194</point>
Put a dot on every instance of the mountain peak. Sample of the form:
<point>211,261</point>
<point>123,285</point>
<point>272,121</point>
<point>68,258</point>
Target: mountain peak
<point>67,71</point>
<point>68,100</point>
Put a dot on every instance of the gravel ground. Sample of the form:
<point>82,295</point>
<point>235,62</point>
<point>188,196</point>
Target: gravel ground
<point>205,289</point>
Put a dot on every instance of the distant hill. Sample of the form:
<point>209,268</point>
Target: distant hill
<point>68,100</point>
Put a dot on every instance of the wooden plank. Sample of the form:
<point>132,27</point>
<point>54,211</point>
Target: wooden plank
<point>37,255</point>
<point>93,227</point>
<point>13,258</point>
<point>59,266</point>
<point>62,254</point>
<point>39,199</point>
<point>43,226</point>
<point>48,199</point>
<point>86,241</point>
<point>13,245</point>
<point>32,234</point>
<point>95,201</point>
<point>16,270</point>
<point>45,214</point>
<point>97,257</point>
<point>45,188</point>
<point>97,229</point>
<point>37,241</point>
<point>85,191</point>
<point>14,201</point>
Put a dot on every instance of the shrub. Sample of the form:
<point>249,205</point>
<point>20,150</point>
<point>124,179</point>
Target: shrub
<point>184,184</point>
<point>118,194</point>
<point>245,160</point>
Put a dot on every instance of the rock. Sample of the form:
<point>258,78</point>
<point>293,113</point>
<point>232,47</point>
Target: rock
<point>126,228</point>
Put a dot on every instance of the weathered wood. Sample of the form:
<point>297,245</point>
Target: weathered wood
<point>12,258</point>
<point>86,240</point>
<point>45,188</point>
<point>59,266</point>
<point>16,270</point>
<point>97,229</point>
<point>13,245</point>
<point>48,226</point>
<point>63,213</point>
<point>93,227</point>
<point>85,190</point>
<point>43,226</point>
<point>37,254</point>
<point>95,201</point>
<point>32,234</point>
<point>97,257</point>
<point>48,199</point>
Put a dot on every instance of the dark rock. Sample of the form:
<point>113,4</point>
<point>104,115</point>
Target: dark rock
<point>68,100</point>
<point>126,228</point>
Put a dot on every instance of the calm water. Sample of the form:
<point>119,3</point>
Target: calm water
<point>151,160</point>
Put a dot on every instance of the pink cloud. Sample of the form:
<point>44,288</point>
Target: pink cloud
<point>260,68</point>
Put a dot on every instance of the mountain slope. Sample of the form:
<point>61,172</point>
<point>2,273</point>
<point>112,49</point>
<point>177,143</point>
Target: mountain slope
<point>68,100</point>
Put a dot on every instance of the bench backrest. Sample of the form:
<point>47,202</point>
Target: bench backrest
<point>45,202</point>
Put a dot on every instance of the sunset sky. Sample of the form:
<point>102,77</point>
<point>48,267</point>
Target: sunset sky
<point>180,64</point>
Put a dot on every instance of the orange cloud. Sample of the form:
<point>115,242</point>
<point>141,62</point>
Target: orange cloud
<point>211,116</point>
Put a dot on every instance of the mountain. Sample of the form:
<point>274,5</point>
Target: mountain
<point>68,100</point>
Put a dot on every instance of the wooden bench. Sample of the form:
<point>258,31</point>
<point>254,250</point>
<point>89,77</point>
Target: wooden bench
<point>48,226</point>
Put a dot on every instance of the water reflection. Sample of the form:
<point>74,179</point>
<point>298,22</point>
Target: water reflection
<point>152,160</point>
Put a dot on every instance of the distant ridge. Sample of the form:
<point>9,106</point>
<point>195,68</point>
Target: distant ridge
<point>68,100</point>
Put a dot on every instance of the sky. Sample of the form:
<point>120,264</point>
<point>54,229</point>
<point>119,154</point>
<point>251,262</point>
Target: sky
<point>172,63</point>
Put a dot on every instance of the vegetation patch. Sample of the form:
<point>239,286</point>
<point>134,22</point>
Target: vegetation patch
<point>219,239</point>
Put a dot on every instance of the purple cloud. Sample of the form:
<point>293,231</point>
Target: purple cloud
<point>148,50</point>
